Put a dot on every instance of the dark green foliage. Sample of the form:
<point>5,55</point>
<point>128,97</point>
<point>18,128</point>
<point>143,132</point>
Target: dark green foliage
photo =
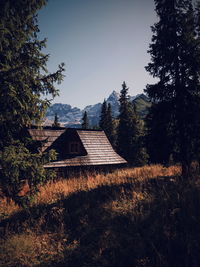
<point>141,153</point>
<point>127,135</point>
<point>124,131</point>
<point>56,123</point>
<point>23,74</point>
<point>103,116</point>
<point>106,122</point>
<point>142,105</point>
<point>20,167</point>
<point>25,84</point>
<point>159,134</point>
<point>175,56</point>
<point>85,123</point>
<point>110,130</point>
<point>96,127</point>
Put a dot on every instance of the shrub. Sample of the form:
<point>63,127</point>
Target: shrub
<point>22,171</point>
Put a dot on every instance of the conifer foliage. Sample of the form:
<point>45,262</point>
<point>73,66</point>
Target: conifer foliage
<point>175,61</point>
<point>103,116</point>
<point>127,129</point>
<point>85,123</point>
<point>106,122</point>
<point>25,84</point>
<point>56,123</point>
<point>159,134</point>
<point>24,77</point>
<point>110,131</point>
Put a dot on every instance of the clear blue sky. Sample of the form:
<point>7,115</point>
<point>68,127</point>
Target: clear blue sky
<point>102,43</point>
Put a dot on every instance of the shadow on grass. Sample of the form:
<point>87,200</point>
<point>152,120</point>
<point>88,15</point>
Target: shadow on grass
<point>110,226</point>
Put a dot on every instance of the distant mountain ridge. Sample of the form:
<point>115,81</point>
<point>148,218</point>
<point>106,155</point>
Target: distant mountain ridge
<point>71,116</point>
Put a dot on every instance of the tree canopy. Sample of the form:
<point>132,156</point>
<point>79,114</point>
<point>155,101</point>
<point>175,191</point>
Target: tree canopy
<point>56,122</point>
<point>106,122</point>
<point>25,82</point>
<point>127,129</point>
<point>26,88</point>
<point>85,121</point>
<point>175,61</point>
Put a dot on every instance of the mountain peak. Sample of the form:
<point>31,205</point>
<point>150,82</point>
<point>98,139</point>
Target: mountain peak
<point>69,115</point>
<point>114,93</point>
<point>114,96</point>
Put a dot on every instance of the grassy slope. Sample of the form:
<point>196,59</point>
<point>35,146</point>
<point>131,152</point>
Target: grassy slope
<point>132,217</point>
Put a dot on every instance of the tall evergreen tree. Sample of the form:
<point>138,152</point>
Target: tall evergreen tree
<point>24,77</point>
<point>141,156</point>
<point>158,134</point>
<point>110,129</point>
<point>56,123</point>
<point>85,123</point>
<point>127,130</point>
<point>25,84</point>
<point>106,122</point>
<point>175,61</point>
<point>103,115</point>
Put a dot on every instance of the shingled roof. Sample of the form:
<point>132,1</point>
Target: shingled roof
<point>45,135</point>
<point>97,146</point>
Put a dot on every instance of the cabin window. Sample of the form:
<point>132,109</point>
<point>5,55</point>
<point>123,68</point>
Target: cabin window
<point>74,148</point>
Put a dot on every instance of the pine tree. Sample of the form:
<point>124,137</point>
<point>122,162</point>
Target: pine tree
<point>24,77</point>
<point>127,130</point>
<point>110,129</point>
<point>106,122</point>
<point>85,123</point>
<point>158,136</point>
<point>141,156</point>
<point>175,61</point>
<point>25,84</point>
<point>103,115</point>
<point>56,123</point>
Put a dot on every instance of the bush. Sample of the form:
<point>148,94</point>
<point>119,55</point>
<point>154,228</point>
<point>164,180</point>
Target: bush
<point>22,171</point>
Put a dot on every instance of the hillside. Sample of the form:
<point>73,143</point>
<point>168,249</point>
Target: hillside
<point>71,116</point>
<point>132,217</point>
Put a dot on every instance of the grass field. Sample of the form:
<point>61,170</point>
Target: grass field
<point>142,216</point>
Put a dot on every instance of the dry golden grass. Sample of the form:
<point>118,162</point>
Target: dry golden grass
<point>99,213</point>
<point>7,207</point>
<point>30,249</point>
<point>53,191</point>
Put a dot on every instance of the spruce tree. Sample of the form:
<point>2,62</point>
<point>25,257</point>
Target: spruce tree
<point>127,131</point>
<point>24,78</point>
<point>141,156</point>
<point>175,61</point>
<point>110,129</point>
<point>158,134</point>
<point>56,123</point>
<point>85,123</point>
<point>106,122</point>
<point>25,85</point>
<point>103,115</point>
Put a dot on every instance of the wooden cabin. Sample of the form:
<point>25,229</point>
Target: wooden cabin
<point>77,147</point>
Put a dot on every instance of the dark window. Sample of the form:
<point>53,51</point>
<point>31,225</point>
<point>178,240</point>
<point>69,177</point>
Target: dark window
<point>74,148</point>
